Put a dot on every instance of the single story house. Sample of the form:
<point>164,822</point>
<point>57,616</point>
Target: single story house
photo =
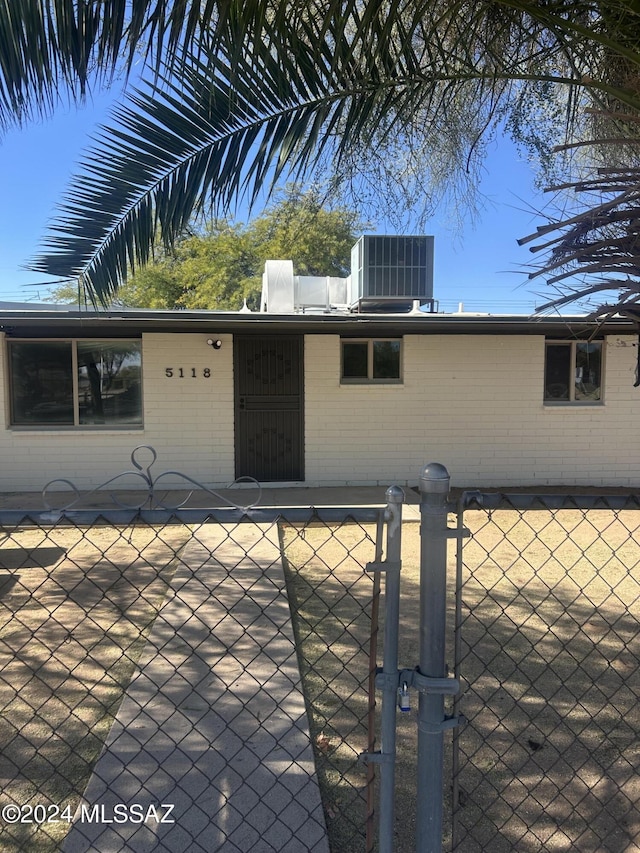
<point>318,397</point>
<point>334,381</point>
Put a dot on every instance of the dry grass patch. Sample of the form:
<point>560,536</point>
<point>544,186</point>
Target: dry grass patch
<point>330,596</point>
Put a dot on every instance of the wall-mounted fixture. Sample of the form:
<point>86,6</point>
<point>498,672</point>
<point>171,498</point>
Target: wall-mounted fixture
<point>215,344</point>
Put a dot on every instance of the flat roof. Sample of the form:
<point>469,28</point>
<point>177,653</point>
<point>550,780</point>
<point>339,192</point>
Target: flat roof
<point>55,323</point>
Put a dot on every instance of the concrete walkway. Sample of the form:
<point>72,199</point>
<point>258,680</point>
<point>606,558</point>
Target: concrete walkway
<point>214,723</point>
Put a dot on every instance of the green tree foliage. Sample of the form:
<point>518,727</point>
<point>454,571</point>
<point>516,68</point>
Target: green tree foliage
<point>221,264</point>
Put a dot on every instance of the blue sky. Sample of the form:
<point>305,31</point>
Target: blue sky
<point>480,265</point>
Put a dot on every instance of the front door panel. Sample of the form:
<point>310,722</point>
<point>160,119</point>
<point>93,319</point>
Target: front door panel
<point>269,407</point>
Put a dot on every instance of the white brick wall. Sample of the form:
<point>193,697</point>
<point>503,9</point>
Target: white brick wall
<point>473,403</point>
<point>188,420</point>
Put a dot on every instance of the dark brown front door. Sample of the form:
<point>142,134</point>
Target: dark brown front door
<point>269,425</point>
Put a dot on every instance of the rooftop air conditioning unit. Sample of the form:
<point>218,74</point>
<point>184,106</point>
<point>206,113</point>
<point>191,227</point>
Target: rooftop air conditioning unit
<point>388,273</point>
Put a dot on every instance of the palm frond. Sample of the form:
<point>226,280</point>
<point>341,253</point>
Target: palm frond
<point>47,46</point>
<point>62,48</point>
<point>598,246</point>
<point>274,88</point>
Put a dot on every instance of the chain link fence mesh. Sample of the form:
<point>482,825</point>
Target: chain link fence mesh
<point>332,597</point>
<point>75,608</point>
<point>549,652</point>
<point>220,664</point>
<point>153,662</point>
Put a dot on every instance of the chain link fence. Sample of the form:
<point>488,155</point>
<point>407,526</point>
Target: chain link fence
<point>333,597</point>
<point>188,680</point>
<point>548,649</point>
<point>156,691</point>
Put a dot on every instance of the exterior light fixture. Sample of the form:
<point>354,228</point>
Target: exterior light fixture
<point>215,344</point>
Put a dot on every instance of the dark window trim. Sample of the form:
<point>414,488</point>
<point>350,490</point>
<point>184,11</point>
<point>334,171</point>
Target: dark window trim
<point>369,379</point>
<point>573,343</point>
<point>45,426</point>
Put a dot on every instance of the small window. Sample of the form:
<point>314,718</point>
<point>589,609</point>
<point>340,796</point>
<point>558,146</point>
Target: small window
<point>371,361</point>
<point>573,372</point>
<point>76,383</point>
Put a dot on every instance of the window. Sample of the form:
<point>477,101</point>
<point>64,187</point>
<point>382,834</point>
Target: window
<point>573,372</point>
<point>371,361</point>
<point>75,383</point>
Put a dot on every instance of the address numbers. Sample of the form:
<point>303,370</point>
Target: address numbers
<point>192,372</point>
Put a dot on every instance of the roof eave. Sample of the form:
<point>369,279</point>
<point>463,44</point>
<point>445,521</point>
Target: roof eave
<point>138,321</point>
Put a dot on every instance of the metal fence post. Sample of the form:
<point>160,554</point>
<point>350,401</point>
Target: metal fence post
<point>387,678</point>
<point>393,515</point>
<point>434,488</point>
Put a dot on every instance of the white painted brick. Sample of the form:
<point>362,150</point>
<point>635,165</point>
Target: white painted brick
<point>473,403</point>
<point>190,425</point>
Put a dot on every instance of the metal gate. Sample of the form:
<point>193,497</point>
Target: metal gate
<point>547,646</point>
<point>179,677</point>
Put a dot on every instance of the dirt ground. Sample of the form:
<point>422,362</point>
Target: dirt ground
<point>75,608</point>
<point>548,658</point>
<point>550,623</point>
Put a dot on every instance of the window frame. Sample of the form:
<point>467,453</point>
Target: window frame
<point>573,344</point>
<point>76,425</point>
<point>370,379</point>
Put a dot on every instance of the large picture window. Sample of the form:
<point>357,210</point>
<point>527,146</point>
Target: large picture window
<point>371,361</point>
<point>573,372</point>
<point>76,383</point>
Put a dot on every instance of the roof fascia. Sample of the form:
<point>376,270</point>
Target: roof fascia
<point>83,323</point>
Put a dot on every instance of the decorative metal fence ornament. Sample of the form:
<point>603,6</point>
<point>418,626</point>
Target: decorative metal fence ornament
<point>149,483</point>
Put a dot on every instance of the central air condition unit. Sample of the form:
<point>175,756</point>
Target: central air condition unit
<point>388,273</point>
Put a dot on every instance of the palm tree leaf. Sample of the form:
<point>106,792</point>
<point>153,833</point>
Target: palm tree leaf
<point>49,46</point>
<point>271,89</point>
<point>61,48</point>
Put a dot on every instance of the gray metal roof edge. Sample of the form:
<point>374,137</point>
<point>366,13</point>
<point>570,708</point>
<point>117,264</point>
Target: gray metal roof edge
<point>38,321</point>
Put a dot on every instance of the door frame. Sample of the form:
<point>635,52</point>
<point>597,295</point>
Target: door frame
<point>237,412</point>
